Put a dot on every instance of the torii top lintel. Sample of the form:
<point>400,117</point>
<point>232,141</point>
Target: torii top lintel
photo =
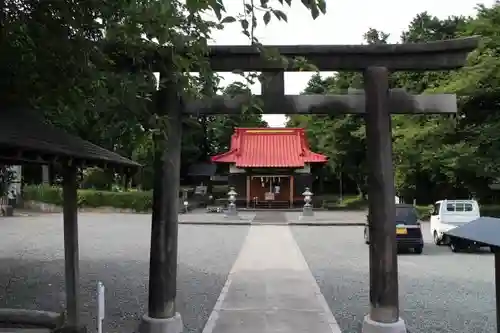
<point>437,55</point>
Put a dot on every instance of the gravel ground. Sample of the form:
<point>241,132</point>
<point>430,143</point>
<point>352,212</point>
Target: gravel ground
<point>440,291</point>
<point>115,250</point>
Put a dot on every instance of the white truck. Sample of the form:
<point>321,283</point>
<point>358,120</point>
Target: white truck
<point>448,214</point>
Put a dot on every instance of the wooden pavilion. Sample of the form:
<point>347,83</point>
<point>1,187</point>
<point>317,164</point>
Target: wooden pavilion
<point>26,139</point>
<point>270,167</point>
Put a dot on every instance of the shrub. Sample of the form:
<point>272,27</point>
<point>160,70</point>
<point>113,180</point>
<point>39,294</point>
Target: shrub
<point>490,210</point>
<point>43,193</point>
<point>97,179</point>
<point>139,201</point>
<point>348,203</point>
<point>424,212</point>
<point>355,202</point>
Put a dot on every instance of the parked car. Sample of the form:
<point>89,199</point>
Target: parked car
<point>448,214</point>
<point>408,231</point>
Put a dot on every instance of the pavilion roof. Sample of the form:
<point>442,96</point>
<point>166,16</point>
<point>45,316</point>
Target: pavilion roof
<point>25,138</point>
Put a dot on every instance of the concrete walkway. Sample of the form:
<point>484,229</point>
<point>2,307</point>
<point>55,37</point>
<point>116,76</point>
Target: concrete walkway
<point>267,217</point>
<point>270,289</point>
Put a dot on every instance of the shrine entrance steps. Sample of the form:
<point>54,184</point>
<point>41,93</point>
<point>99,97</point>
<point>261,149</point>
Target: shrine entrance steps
<point>270,217</point>
<point>271,205</point>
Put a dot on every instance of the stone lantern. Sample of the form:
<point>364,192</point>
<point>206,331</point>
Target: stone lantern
<point>231,207</point>
<point>308,208</point>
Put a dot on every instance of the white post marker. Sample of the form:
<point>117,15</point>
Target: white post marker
<point>100,306</point>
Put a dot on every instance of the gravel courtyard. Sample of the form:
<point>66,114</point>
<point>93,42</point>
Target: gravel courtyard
<point>115,250</point>
<point>440,291</point>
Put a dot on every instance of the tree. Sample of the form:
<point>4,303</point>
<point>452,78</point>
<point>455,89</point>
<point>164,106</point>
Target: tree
<point>423,157</point>
<point>53,57</point>
<point>434,156</point>
<point>56,58</point>
<point>478,122</point>
<point>340,137</point>
<point>221,127</point>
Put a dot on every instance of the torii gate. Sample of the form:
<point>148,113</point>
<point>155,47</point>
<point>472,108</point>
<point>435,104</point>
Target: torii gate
<point>376,62</point>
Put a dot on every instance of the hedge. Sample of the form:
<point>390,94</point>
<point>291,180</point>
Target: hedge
<point>486,210</point>
<point>348,203</point>
<point>424,212</point>
<point>139,201</point>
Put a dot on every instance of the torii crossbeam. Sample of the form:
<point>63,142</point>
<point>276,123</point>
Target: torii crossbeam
<point>400,102</point>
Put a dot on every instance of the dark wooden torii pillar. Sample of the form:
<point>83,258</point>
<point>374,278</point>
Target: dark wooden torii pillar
<point>376,62</point>
<point>162,314</point>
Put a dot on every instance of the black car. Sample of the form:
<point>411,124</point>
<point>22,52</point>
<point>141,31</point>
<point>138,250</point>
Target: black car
<point>408,232</point>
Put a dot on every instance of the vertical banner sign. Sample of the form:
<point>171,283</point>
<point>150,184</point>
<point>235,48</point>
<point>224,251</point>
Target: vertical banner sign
<point>100,306</point>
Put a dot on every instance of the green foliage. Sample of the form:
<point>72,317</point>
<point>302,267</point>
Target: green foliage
<point>139,201</point>
<point>6,178</point>
<point>424,212</point>
<point>220,128</point>
<point>348,203</point>
<point>61,56</point>
<point>42,193</point>
<point>97,179</point>
<point>358,203</point>
<point>435,157</point>
<point>340,137</point>
<point>490,210</point>
<point>57,59</point>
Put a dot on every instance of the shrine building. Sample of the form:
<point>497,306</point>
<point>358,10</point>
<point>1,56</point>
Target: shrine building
<point>270,167</point>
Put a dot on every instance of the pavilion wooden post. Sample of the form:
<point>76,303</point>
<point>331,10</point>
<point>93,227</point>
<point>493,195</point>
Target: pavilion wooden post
<point>162,315</point>
<point>384,301</point>
<point>71,251</point>
<point>497,285</point>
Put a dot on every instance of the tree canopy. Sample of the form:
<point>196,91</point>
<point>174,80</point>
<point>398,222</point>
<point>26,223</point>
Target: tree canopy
<point>435,157</point>
<point>56,59</point>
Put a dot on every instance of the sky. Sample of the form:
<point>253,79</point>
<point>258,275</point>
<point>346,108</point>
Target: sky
<point>344,23</point>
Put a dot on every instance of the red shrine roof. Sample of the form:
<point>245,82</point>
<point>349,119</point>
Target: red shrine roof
<point>269,148</point>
